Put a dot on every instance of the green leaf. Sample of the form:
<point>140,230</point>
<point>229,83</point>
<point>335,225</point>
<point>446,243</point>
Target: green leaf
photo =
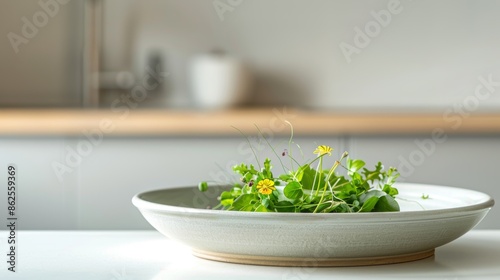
<point>333,206</point>
<point>322,207</point>
<point>386,204</point>
<point>227,198</point>
<point>369,204</point>
<point>275,194</point>
<point>285,177</point>
<point>243,201</point>
<point>262,208</point>
<point>345,187</point>
<point>372,175</point>
<point>356,179</point>
<point>265,201</point>
<point>372,193</point>
<point>390,190</point>
<point>247,208</point>
<point>392,175</point>
<point>236,191</point>
<point>267,164</point>
<point>252,169</point>
<point>266,170</point>
<point>299,173</point>
<point>227,202</point>
<point>353,165</point>
<point>344,191</point>
<point>247,177</point>
<point>242,169</point>
<point>284,206</point>
<point>343,208</point>
<point>307,177</point>
<point>337,180</point>
<point>293,190</point>
<point>226,195</point>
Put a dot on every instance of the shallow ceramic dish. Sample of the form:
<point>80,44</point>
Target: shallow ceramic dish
<point>325,239</point>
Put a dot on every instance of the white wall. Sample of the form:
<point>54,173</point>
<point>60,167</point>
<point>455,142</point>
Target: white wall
<point>428,57</point>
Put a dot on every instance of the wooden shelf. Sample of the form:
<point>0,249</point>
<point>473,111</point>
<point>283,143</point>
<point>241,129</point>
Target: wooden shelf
<point>220,123</point>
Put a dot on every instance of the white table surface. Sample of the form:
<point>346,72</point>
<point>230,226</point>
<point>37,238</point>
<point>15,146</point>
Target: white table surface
<point>127,255</point>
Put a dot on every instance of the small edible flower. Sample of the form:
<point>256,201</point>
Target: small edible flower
<point>266,186</point>
<point>323,149</point>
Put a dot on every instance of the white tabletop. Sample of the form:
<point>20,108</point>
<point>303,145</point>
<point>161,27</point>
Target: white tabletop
<point>127,255</point>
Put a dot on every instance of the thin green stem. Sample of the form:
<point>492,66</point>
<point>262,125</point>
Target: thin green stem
<point>319,172</point>
<point>327,183</point>
<point>217,207</point>
<point>316,174</point>
<point>224,171</point>
<point>272,148</point>
<point>324,189</point>
<point>250,144</point>
<point>291,158</point>
<point>290,140</point>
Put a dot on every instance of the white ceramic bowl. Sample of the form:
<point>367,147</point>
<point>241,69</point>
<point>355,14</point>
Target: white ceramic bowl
<point>325,239</point>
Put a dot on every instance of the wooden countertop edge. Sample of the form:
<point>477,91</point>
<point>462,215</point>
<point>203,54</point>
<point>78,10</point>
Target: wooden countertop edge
<point>123,122</point>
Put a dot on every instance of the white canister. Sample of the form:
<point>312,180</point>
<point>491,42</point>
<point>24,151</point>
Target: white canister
<point>219,81</point>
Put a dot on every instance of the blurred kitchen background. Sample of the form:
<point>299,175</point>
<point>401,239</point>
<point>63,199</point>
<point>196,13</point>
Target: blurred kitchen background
<point>174,72</point>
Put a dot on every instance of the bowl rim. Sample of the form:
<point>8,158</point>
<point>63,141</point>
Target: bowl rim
<point>487,204</point>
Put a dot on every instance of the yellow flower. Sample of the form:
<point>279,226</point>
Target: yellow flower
<point>266,186</point>
<point>322,149</point>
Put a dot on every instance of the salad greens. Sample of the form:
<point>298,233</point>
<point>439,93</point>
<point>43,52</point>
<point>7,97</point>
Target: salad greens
<point>312,189</point>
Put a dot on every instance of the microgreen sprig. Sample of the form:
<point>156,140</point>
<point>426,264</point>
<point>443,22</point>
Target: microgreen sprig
<point>311,189</point>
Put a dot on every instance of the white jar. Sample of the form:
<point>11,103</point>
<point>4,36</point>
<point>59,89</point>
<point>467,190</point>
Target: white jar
<point>218,81</point>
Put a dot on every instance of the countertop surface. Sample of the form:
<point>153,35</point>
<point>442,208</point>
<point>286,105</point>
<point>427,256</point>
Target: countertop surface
<point>79,123</point>
<point>127,255</point>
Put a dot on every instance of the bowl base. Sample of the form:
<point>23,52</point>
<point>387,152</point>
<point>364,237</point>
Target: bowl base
<point>312,262</point>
